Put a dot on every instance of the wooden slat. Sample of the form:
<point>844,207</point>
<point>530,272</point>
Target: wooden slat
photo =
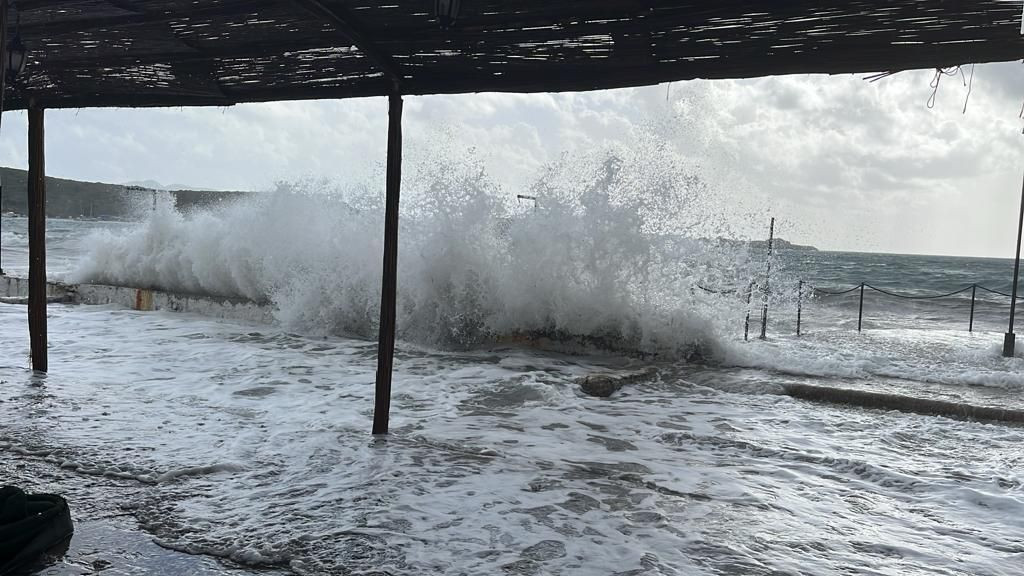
<point>84,53</point>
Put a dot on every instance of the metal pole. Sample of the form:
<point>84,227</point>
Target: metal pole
<point>860,313</point>
<point>1010,339</point>
<point>767,280</point>
<point>389,283</point>
<point>36,240</point>
<point>974,289</point>
<point>799,304</point>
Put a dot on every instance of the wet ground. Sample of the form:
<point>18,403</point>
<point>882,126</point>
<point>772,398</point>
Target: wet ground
<point>244,443</point>
<point>107,539</point>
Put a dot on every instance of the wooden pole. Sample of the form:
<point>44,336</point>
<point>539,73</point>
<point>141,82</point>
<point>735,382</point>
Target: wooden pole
<point>3,89</point>
<point>799,305</point>
<point>974,292</point>
<point>389,284</point>
<point>860,310</point>
<point>1010,339</point>
<point>746,323</point>
<point>767,280</point>
<point>36,239</point>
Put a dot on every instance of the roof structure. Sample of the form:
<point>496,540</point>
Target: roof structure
<point>96,53</point>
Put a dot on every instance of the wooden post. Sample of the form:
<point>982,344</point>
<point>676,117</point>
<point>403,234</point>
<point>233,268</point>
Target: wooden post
<point>860,311</point>
<point>974,292</point>
<point>3,88</point>
<point>799,305</point>
<point>746,323</point>
<point>389,284</point>
<point>767,285</point>
<point>36,239</point>
<point>1010,339</point>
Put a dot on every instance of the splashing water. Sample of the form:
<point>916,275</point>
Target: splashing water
<point>613,251</point>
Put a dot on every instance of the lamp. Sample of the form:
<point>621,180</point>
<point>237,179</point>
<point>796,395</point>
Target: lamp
<point>447,12</point>
<point>15,57</point>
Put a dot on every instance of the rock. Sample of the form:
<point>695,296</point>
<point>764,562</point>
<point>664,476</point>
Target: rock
<point>604,385</point>
<point>601,385</point>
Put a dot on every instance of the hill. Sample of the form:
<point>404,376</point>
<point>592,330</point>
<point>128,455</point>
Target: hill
<point>781,244</point>
<point>74,199</point>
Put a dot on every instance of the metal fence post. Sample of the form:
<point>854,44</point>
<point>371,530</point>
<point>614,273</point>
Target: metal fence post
<point>860,313</point>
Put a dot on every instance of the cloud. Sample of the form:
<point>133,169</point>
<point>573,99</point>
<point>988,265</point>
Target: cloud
<point>846,163</point>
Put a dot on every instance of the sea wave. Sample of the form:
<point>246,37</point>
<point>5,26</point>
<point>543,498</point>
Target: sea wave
<point>609,251</point>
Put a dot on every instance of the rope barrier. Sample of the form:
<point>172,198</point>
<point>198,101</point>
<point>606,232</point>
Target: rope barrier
<point>910,297</point>
<point>1000,293</point>
<point>824,292</point>
<point>862,286</point>
<point>829,293</point>
<point>907,297</point>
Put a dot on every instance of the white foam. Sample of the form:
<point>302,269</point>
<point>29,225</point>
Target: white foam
<point>496,463</point>
<point>603,255</point>
<point>948,357</point>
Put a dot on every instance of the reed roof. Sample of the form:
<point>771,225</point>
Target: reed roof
<point>96,53</point>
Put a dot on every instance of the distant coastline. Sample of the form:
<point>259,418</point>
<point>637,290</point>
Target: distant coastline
<point>95,200</point>
<point>782,244</point>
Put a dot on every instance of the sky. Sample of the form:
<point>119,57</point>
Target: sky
<point>841,162</point>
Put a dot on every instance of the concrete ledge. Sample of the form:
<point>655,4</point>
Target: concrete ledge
<point>884,401</point>
<point>14,287</point>
<point>14,290</point>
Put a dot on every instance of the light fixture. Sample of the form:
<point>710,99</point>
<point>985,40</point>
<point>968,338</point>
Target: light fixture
<point>16,57</point>
<point>447,12</point>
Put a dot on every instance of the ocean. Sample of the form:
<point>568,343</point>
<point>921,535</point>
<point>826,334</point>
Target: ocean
<point>250,442</point>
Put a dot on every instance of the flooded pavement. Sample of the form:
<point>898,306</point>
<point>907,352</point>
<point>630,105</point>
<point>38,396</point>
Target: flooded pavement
<point>247,445</point>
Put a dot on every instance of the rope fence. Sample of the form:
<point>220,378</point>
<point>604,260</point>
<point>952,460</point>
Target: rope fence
<point>803,289</point>
<point>973,288</point>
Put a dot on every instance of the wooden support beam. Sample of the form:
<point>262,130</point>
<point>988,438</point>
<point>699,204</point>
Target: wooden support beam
<point>3,88</point>
<point>36,240</point>
<point>1010,339</point>
<point>348,27</point>
<point>389,284</point>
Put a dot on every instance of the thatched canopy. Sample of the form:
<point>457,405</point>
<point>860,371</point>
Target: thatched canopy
<point>91,53</point>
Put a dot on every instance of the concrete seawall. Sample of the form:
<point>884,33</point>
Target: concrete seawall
<point>15,290</point>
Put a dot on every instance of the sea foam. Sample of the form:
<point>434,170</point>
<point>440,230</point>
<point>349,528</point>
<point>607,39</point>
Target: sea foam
<point>615,248</point>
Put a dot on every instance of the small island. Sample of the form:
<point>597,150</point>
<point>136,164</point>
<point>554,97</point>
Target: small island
<point>782,244</point>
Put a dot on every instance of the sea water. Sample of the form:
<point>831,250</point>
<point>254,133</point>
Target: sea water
<point>251,442</point>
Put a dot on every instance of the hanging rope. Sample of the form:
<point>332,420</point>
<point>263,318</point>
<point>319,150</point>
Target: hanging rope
<point>934,84</point>
<point>970,86</point>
